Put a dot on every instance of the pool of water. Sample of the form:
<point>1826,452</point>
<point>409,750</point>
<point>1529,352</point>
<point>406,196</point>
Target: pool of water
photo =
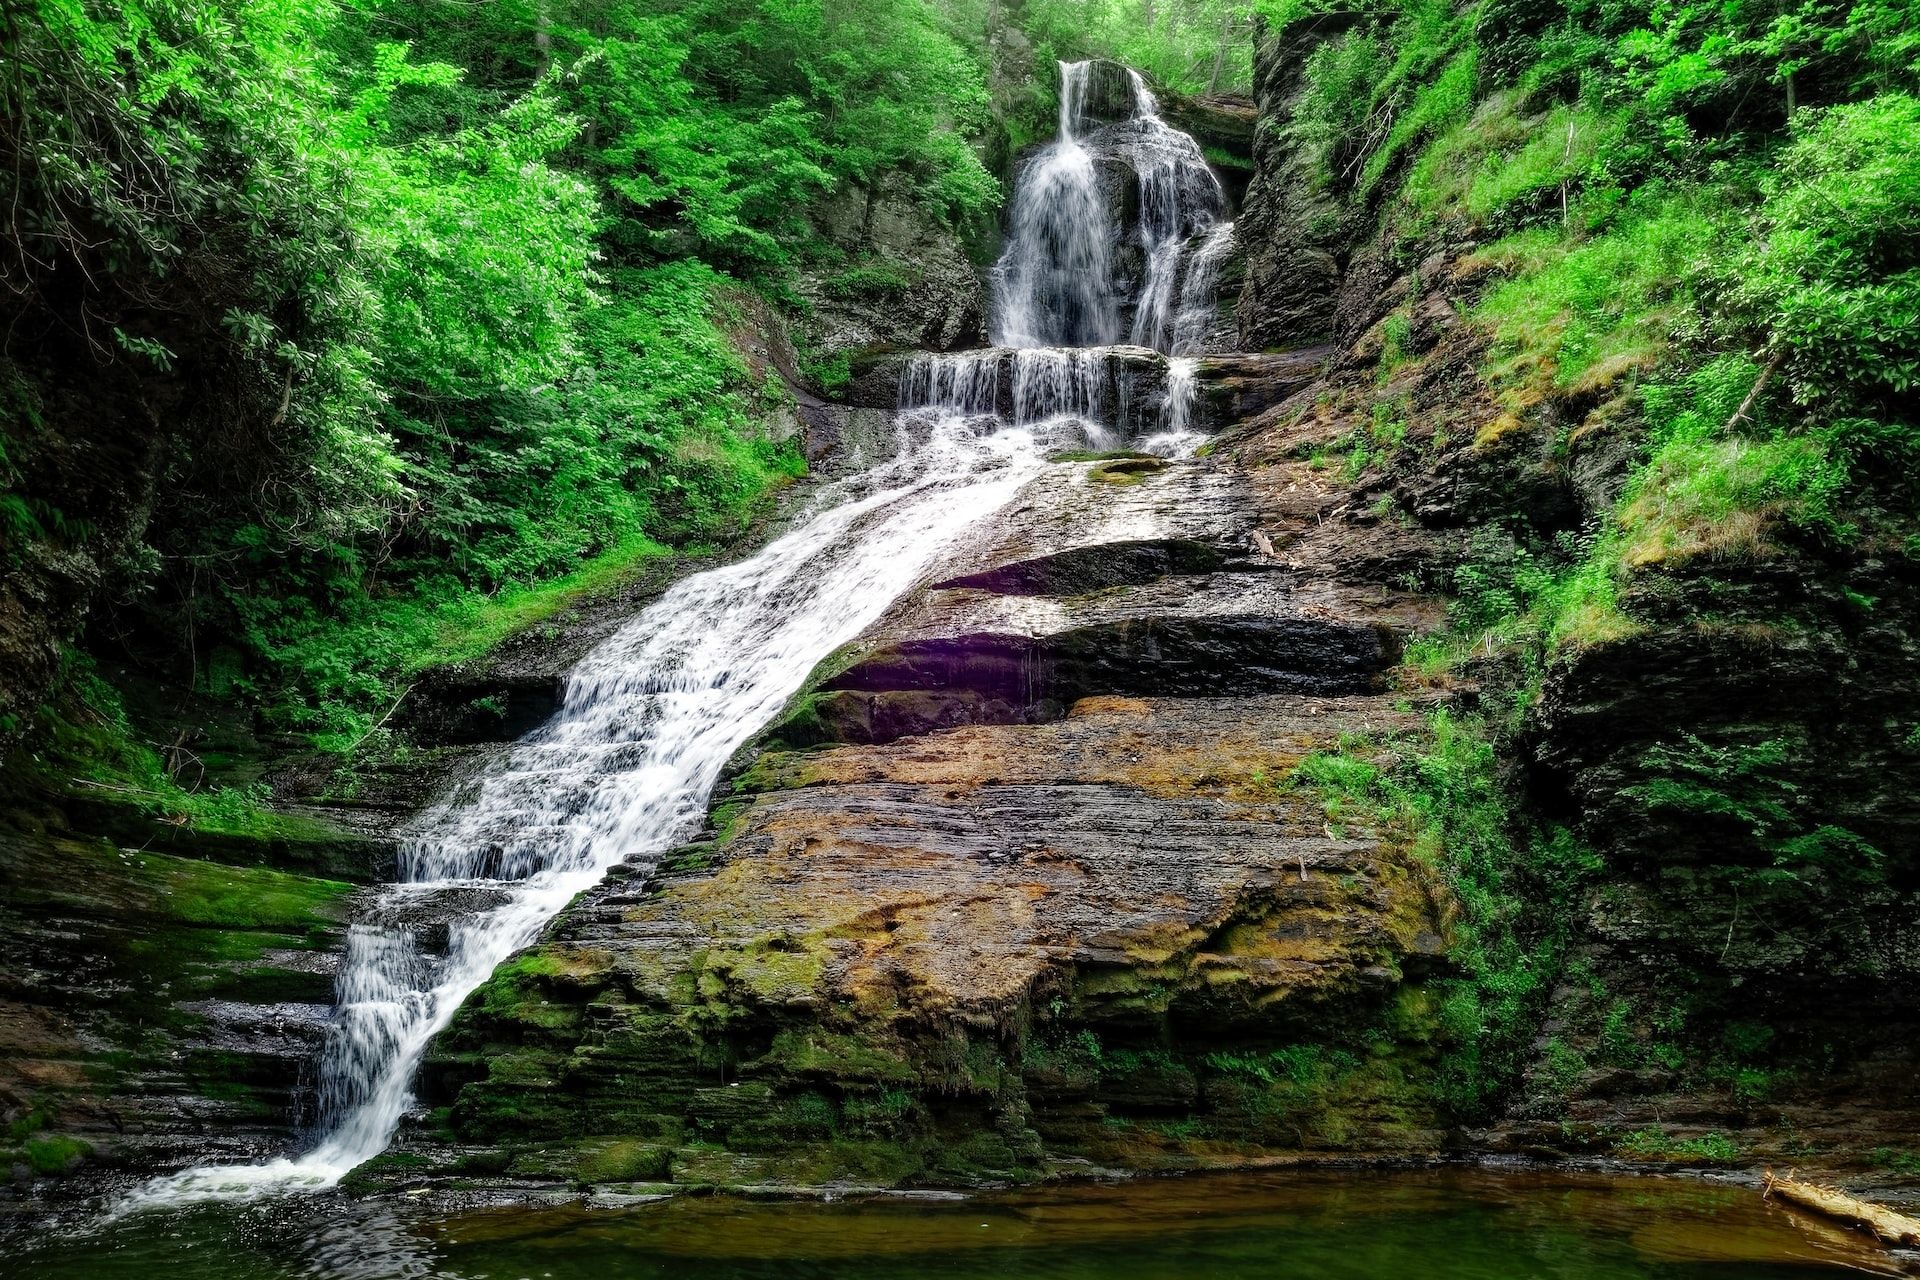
<point>1439,1225</point>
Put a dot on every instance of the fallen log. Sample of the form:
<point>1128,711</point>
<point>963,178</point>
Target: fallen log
<point>1886,1225</point>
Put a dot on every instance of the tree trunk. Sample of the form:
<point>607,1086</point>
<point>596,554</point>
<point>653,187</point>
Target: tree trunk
<point>1220,52</point>
<point>1886,1225</point>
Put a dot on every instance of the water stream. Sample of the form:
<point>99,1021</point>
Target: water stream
<point>647,721</point>
<point>651,716</point>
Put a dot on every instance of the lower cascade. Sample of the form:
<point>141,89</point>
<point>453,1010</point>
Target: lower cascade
<point>649,719</point>
<point>647,722</point>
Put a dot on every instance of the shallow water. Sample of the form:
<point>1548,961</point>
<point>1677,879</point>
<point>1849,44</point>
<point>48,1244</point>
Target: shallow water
<point>1440,1225</point>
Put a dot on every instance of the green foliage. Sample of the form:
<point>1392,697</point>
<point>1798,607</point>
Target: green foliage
<point>1530,602</point>
<point>1189,46</point>
<point>54,1154</point>
<point>725,121</point>
<point>87,744</point>
<point>1516,885</point>
<point>1746,293</point>
<point>1896,1159</point>
<point>1656,1144</point>
<point>1748,786</point>
<point>1835,278</point>
<point>1304,1066</point>
<point>1335,118</point>
<point>1382,88</point>
<point>1709,488</point>
<point>1577,308</point>
<point>1504,166</point>
<point>459,315</point>
<point>1434,106</point>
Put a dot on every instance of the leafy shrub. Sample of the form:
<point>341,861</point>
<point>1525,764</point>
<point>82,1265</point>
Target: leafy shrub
<point>1334,118</point>
<point>1501,165</point>
<point>1708,489</point>
<point>1590,308</point>
<point>1441,797</point>
<point>1200,46</point>
<point>1835,277</point>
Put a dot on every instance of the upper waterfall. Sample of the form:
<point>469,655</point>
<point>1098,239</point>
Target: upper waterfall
<point>1116,227</point>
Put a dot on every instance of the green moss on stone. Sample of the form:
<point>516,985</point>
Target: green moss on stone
<point>601,1160</point>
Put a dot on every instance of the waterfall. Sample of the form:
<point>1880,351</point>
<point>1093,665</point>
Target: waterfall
<point>1056,280</point>
<point>1053,284</point>
<point>624,769</point>
<point>1099,397</point>
<point>649,718</point>
<point>1197,316</point>
<point>1180,199</point>
<point>1177,437</point>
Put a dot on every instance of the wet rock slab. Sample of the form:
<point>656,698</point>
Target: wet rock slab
<point>1038,865</point>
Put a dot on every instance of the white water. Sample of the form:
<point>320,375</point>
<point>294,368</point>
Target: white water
<point>1180,198</point>
<point>1177,437</point>
<point>1107,395</point>
<point>650,717</point>
<point>1194,321</point>
<point>1055,282</point>
<point>1059,304</point>
<point>648,720</point>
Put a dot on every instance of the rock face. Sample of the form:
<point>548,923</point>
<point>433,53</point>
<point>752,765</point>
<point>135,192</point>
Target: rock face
<point>1751,948</point>
<point>1013,885</point>
<point>156,1010</point>
<point>1225,126</point>
<point>1739,971</point>
<point>905,282</point>
<point>1295,239</point>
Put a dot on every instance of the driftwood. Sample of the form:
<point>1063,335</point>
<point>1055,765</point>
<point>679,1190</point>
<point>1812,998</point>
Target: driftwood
<point>1886,1225</point>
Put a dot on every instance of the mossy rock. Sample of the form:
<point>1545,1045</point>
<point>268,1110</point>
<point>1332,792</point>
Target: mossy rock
<point>603,1160</point>
<point>1127,470</point>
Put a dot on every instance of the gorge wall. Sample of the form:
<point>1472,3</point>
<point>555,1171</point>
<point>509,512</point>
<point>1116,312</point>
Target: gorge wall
<point>1033,880</point>
<point>1181,818</point>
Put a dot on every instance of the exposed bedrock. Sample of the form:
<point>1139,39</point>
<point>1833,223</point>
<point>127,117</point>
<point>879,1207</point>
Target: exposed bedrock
<point>1749,780</point>
<point>969,955</point>
<point>1035,896</point>
<point>1038,676</point>
<point>156,1009</point>
<point>905,281</point>
<point>1297,237</point>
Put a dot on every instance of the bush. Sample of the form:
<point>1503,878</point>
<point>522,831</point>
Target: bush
<point>1439,796</point>
<point>1595,307</point>
<point>1835,275</point>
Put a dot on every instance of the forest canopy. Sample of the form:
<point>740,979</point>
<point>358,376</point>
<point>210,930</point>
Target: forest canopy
<point>428,299</point>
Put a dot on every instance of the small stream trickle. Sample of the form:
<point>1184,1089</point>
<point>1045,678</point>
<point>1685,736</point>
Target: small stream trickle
<point>650,717</point>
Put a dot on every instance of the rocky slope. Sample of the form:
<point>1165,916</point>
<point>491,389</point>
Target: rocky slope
<point>156,1009</point>
<point>1022,883</point>
<point>1045,898</point>
<point>1733,748</point>
<point>1028,881</point>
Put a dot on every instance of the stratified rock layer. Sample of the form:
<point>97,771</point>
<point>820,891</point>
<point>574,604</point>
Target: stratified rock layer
<point>1015,882</point>
<point>156,1010</point>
